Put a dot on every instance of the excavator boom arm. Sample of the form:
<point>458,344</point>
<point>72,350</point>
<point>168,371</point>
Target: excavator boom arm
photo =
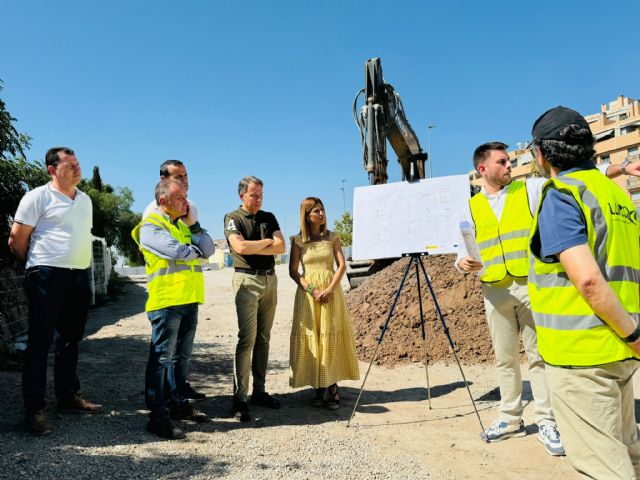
<point>382,118</point>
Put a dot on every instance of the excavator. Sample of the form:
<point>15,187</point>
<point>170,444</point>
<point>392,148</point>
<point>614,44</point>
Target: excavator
<point>379,119</point>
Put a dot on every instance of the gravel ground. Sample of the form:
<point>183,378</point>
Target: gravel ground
<point>393,435</point>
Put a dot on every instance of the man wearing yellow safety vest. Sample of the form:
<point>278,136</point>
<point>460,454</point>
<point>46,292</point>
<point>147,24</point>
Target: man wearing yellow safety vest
<point>178,171</point>
<point>501,216</point>
<point>172,244</point>
<point>584,285</point>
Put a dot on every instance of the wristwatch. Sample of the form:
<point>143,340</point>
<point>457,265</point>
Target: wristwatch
<point>624,165</point>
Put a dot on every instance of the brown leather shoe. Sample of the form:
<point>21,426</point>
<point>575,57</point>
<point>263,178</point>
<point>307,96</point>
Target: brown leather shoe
<point>37,423</point>
<point>77,404</point>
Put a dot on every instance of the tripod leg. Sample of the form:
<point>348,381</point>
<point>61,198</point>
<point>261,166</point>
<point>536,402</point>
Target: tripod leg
<point>446,331</point>
<point>426,369</point>
<point>424,335</point>
<point>382,332</point>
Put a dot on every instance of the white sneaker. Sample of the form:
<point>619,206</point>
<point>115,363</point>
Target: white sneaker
<point>548,435</point>
<point>503,430</point>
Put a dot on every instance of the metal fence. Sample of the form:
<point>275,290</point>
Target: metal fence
<point>13,306</point>
<point>13,300</point>
<point>100,268</point>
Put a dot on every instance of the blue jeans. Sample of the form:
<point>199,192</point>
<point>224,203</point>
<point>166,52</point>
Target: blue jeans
<point>58,302</point>
<point>172,332</point>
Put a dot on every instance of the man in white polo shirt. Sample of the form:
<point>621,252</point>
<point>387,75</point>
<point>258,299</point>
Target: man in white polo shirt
<point>52,233</point>
<point>173,169</point>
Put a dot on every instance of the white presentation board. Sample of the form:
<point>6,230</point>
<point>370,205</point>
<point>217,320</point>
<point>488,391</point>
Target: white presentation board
<point>396,218</point>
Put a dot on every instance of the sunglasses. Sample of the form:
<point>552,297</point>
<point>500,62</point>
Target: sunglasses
<point>532,150</point>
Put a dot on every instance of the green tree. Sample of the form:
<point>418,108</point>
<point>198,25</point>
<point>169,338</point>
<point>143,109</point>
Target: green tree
<point>17,176</point>
<point>113,219</point>
<point>344,229</point>
<point>125,244</point>
<point>112,216</point>
<point>96,179</point>
<point>12,143</point>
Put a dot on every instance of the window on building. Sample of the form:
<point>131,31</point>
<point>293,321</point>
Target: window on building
<point>604,135</point>
<point>600,159</point>
<point>622,116</point>
<point>632,150</point>
<point>635,196</point>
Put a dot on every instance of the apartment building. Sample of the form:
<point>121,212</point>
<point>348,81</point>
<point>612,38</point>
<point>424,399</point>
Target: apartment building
<point>616,129</point>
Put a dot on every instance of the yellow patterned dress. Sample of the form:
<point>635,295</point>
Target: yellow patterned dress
<point>322,350</point>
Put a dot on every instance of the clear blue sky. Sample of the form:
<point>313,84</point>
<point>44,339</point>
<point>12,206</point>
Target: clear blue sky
<point>266,88</point>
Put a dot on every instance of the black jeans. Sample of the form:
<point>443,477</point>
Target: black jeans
<point>58,302</point>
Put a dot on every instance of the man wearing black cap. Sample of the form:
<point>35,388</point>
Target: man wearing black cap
<point>501,216</point>
<point>584,287</point>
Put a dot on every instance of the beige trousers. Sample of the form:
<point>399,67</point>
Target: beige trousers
<point>256,299</point>
<point>595,409</point>
<point>509,317</point>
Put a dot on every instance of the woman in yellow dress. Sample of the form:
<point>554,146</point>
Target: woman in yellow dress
<point>322,349</point>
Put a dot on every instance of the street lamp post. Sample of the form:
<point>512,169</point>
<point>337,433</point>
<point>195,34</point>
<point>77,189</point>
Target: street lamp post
<point>344,208</point>
<point>429,149</point>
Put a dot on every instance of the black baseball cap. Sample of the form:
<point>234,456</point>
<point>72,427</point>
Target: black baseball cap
<point>551,122</point>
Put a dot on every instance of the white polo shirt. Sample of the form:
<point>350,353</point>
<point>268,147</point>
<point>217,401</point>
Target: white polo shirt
<point>62,227</point>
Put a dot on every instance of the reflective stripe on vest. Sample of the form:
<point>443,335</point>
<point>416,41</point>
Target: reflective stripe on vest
<point>569,332</point>
<point>503,244</point>
<point>170,282</point>
<point>173,267</point>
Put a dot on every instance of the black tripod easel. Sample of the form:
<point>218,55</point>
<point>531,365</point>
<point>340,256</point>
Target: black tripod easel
<point>416,258</point>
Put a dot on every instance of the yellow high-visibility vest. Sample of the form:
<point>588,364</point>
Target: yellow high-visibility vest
<point>170,282</point>
<point>504,243</point>
<point>569,331</point>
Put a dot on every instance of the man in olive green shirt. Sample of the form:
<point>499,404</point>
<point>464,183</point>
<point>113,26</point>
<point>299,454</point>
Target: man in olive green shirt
<point>254,238</point>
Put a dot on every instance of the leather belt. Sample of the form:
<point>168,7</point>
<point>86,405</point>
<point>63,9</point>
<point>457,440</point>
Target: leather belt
<point>251,271</point>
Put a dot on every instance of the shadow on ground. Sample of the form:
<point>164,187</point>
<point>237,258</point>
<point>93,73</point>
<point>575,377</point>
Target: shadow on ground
<point>131,299</point>
<point>112,372</point>
<point>494,394</point>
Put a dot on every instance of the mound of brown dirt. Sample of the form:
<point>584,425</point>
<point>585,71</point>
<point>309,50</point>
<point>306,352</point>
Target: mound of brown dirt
<point>460,300</point>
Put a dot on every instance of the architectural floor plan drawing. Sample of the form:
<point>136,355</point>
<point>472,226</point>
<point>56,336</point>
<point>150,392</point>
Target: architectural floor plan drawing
<point>396,218</point>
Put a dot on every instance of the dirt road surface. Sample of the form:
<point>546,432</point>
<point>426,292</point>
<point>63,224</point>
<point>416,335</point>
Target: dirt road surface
<point>393,435</point>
